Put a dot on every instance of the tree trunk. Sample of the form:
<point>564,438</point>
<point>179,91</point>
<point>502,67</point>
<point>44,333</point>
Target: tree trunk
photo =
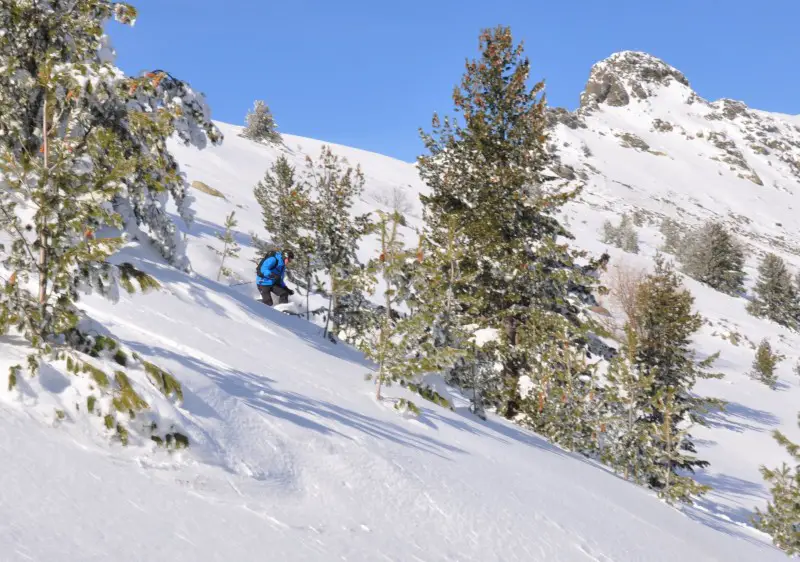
<point>43,253</point>
<point>308,294</point>
<point>332,306</point>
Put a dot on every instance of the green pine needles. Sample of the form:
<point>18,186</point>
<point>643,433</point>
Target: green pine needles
<point>781,520</point>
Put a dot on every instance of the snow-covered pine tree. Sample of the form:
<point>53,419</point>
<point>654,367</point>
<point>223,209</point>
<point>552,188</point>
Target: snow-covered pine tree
<point>782,517</point>
<point>283,201</point>
<point>775,297</point>
<point>336,233</point>
<point>665,325</point>
<point>765,363</point>
<point>230,248</point>
<point>628,435</point>
<point>399,347</point>
<point>260,124</point>
<point>486,169</point>
<point>712,255</point>
<point>83,156</point>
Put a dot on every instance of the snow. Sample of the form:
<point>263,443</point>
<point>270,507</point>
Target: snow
<point>293,459</point>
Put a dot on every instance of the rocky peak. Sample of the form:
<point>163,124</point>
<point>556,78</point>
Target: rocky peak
<point>625,76</point>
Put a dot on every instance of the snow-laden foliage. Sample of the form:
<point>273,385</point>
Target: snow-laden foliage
<point>83,157</point>
<point>261,124</point>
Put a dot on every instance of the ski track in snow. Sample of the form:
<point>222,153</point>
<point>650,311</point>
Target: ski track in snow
<point>293,459</point>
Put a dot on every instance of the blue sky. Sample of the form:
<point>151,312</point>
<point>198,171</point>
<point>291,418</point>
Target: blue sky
<point>369,73</point>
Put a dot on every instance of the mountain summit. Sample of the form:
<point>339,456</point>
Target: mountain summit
<point>629,75</point>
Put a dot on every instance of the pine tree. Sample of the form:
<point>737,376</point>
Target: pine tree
<point>665,325</point>
<point>399,347</point>
<point>673,238</point>
<point>84,161</point>
<point>260,124</point>
<point>441,289</point>
<point>782,517</point>
<point>713,256</point>
<point>628,433</point>
<point>283,202</point>
<point>765,363</point>
<point>230,248</point>
<point>485,171</point>
<point>560,402</point>
<point>288,213</point>
<point>622,236</point>
<point>775,297</point>
<point>335,232</point>
<point>672,444</point>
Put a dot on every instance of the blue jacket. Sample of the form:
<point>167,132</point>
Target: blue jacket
<point>272,271</point>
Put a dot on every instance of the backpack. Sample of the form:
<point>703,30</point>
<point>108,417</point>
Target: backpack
<point>265,258</point>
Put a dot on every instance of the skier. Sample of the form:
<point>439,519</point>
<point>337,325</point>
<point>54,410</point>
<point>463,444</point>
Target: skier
<point>270,273</point>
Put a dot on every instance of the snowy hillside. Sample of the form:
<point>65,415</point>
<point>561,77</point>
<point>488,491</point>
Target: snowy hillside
<point>291,458</point>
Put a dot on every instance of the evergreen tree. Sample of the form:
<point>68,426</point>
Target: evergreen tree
<point>84,160</point>
<point>765,363</point>
<point>673,238</point>
<point>775,297</point>
<point>260,124</point>
<point>560,402</point>
<point>288,212</point>
<point>335,232</point>
<point>399,347</point>
<point>713,256</point>
<point>441,288</point>
<point>782,517</point>
<point>797,368</point>
<point>665,325</point>
<point>230,248</point>
<point>283,203</point>
<point>622,236</point>
<point>629,442</point>
<point>485,171</point>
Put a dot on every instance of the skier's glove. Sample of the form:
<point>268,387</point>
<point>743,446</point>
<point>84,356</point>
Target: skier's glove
<point>274,276</point>
<point>290,292</point>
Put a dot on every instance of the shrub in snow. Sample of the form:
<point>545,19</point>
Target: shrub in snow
<point>781,520</point>
<point>765,363</point>
<point>260,124</point>
<point>230,248</point>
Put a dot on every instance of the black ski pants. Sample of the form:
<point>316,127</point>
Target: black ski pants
<point>268,290</point>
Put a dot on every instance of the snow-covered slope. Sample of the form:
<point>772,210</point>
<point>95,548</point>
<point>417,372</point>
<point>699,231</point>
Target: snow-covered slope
<point>292,458</point>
